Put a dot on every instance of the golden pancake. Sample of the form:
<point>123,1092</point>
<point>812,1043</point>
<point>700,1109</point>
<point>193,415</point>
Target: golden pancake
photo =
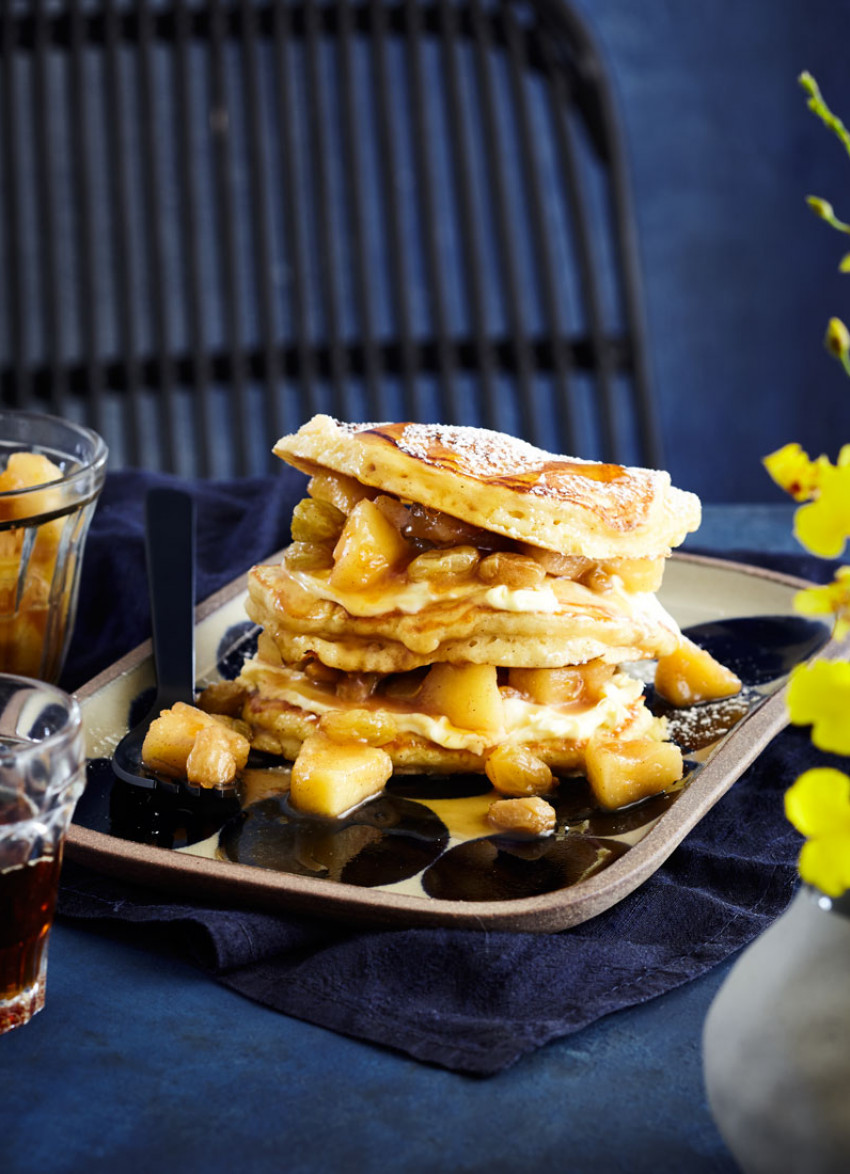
<point>475,623</point>
<point>284,707</point>
<point>504,485</point>
<point>457,600</point>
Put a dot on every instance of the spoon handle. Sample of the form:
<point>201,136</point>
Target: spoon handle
<point>170,554</point>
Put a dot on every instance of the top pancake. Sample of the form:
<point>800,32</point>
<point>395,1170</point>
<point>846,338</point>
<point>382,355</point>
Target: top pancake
<point>504,484</point>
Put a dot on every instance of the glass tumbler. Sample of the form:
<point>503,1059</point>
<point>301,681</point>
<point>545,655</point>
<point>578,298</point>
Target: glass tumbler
<point>51,473</point>
<point>42,774</point>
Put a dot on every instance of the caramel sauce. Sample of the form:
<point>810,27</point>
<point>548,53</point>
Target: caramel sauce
<point>466,817</point>
<point>500,868</point>
<point>382,842</point>
<point>258,783</point>
<point>455,460</point>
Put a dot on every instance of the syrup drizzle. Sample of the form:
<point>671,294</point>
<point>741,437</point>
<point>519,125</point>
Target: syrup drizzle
<point>488,456</point>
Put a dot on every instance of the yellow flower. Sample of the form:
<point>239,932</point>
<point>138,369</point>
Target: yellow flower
<point>823,524</point>
<point>793,471</point>
<point>819,696</point>
<point>818,805</point>
<point>832,599</point>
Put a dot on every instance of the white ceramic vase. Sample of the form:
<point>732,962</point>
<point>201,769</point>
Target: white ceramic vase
<point>776,1045</point>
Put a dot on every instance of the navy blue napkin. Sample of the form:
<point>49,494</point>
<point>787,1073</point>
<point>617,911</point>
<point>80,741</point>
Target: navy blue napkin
<point>468,1000</point>
<point>239,523</point>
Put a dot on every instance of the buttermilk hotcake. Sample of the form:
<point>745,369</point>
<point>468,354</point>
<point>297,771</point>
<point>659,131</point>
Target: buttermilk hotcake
<point>460,619</point>
<point>427,724</point>
<point>458,600</point>
<point>494,552</point>
<point>504,485</point>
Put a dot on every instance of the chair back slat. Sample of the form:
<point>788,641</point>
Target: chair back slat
<point>218,217</point>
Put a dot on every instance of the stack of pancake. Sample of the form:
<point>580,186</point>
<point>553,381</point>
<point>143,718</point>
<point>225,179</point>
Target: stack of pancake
<point>455,599</point>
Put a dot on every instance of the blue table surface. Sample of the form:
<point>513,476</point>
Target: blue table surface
<point>139,1062</point>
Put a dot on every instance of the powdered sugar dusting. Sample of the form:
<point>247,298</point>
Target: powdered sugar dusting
<point>489,454</point>
<point>483,452</point>
<point>622,495</point>
<point>702,725</point>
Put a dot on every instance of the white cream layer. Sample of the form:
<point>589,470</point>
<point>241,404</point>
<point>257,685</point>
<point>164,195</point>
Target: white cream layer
<point>524,721</point>
<point>556,595</point>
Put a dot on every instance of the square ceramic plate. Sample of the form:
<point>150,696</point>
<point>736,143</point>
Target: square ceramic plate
<point>450,869</point>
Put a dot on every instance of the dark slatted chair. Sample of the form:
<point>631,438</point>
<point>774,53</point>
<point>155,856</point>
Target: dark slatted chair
<point>218,217</point>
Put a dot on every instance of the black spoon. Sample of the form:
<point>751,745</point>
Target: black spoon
<point>170,557</point>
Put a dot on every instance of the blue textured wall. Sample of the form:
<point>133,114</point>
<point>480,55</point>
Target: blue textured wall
<point>740,276</point>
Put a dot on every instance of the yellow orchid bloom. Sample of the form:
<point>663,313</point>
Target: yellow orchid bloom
<point>823,524</point>
<point>793,471</point>
<point>818,805</point>
<point>831,599</point>
<point>819,696</point>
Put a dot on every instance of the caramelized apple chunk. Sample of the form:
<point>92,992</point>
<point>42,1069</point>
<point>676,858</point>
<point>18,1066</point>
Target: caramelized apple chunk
<point>559,686</point>
<point>468,695</point>
<point>621,773</point>
<point>329,778</point>
<point>595,676</point>
<point>691,674</point>
<point>556,686</point>
<point>637,574</point>
<point>26,470</point>
<point>369,548</point>
<point>25,586</point>
<point>22,640</point>
<point>171,739</point>
<point>531,815</point>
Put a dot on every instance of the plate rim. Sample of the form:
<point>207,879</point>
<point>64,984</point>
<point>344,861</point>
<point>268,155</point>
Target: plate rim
<point>236,885</point>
